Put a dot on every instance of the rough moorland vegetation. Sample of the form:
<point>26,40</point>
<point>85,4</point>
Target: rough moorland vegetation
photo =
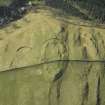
<point>87,9</point>
<point>94,9</point>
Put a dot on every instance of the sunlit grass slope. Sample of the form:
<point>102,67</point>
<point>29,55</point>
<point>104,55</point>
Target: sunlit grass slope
<point>22,42</point>
<point>45,39</point>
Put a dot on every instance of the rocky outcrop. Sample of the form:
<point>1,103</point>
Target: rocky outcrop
<point>48,60</point>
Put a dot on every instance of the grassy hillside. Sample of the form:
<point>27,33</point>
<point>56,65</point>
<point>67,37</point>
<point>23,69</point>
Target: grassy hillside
<point>49,21</point>
<point>48,49</point>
